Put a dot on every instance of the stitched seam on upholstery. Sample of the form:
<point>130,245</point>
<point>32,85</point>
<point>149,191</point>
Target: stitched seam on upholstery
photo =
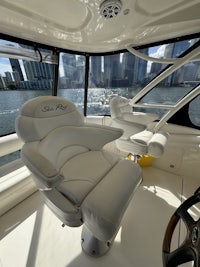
<point>71,157</point>
<point>98,182</point>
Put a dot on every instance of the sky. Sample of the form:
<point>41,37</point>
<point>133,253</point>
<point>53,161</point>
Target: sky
<point>4,66</point>
<point>4,62</point>
<point>157,51</point>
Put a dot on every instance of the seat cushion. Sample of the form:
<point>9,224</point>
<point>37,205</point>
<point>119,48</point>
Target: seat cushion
<point>82,173</point>
<point>102,215</point>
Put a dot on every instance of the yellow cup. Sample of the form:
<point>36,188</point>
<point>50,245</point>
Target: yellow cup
<point>145,160</point>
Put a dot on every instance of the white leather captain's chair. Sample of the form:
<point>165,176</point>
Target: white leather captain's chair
<point>137,138</point>
<point>81,182</point>
<point>123,117</point>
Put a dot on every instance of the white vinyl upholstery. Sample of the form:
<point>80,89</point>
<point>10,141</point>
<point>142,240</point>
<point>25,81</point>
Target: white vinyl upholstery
<point>81,182</point>
<point>131,122</point>
<point>100,214</point>
<point>157,144</point>
<point>141,141</point>
<point>147,142</point>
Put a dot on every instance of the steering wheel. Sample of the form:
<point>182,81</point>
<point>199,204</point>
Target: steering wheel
<point>189,250</point>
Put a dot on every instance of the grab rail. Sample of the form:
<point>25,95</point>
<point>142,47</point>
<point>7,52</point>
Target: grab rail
<point>179,63</point>
<point>15,179</point>
<point>9,143</point>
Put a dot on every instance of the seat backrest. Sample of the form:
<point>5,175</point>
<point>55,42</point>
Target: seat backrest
<point>118,106</point>
<point>133,124</point>
<point>123,117</point>
<point>44,114</point>
<point>54,130</point>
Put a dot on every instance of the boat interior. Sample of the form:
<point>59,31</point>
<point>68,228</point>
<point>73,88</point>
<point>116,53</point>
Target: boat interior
<point>99,133</point>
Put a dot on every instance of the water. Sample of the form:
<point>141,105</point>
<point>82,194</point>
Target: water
<point>11,101</point>
<point>98,103</point>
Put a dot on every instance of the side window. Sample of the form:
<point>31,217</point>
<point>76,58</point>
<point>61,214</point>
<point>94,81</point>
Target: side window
<point>194,111</point>
<point>72,78</point>
<point>122,74</point>
<point>20,80</point>
<point>173,89</point>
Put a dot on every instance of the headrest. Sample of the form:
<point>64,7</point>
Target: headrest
<point>119,105</point>
<point>43,114</point>
<point>47,106</point>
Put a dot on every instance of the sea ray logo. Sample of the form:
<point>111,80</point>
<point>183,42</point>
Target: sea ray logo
<point>54,108</point>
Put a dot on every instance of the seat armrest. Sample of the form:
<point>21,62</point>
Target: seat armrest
<point>130,128</point>
<point>96,136</point>
<point>40,166</point>
<point>139,117</point>
<point>126,123</point>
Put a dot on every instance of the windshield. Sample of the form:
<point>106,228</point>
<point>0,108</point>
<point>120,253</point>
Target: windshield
<point>90,81</point>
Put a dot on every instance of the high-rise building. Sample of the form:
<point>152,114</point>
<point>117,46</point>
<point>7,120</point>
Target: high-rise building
<point>2,82</point>
<point>16,67</point>
<point>38,70</point>
<point>173,51</point>
<point>69,64</point>
<point>107,73</point>
<point>141,68</point>
<point>128,62</point>
<point>135,68</point>
<point>96,71</point>
<point>16,76</point>
<point>115,67</point>
<point>8,77</point>
<point>179,48</point>
<point>74,70</point>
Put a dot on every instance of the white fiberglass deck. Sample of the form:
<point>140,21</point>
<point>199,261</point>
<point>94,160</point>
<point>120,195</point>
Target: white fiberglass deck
<point>31,236</point>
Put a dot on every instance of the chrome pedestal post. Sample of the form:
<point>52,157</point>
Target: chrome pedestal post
<point>93,246</point>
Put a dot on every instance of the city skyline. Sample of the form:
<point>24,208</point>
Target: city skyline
<point>117,70</point>
<point>5,64</point>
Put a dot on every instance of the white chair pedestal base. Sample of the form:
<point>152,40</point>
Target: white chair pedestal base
<point>93,246</point>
